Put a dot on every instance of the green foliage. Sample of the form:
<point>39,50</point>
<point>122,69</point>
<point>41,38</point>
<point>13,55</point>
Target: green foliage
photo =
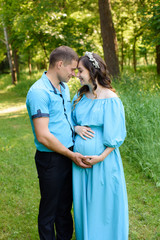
<point>36,27</point>
<point>140,95</point>
<point>151,20</point>
<point>4,81</point>
<point>74,85</point>
<point>134,22</point>
<point>25,83</point>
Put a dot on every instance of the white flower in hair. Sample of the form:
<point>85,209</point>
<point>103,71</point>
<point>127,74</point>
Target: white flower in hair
<point>92,59</point>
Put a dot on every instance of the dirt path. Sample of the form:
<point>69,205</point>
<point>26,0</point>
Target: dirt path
<point>13,109</point>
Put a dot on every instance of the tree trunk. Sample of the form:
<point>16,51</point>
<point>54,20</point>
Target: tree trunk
<point>109,37</point>
<point>10,57</point>
<point>158,58</point>
<point>16,61</point>
<point>146,58</point>
<point>134,55</point>
<point>122,51</point>
<point>29,63</point>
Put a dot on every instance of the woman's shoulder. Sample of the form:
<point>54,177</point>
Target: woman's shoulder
<point>110,94</point>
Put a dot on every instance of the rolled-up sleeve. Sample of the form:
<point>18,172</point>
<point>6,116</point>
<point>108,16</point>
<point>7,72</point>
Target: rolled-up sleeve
<point>37,103</point>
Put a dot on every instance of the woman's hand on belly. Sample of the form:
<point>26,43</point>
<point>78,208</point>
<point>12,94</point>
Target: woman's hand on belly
<point>98,158</point>
<point>84,132</point>
<point>92,160</point>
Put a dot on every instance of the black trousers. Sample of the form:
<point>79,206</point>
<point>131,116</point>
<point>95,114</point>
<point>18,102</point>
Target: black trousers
<point>55,181</point>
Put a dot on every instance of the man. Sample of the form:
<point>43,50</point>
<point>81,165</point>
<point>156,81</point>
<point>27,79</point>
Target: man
<point>49,109</point>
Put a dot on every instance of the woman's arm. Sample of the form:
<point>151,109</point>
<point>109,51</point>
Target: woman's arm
<point>96,159</point>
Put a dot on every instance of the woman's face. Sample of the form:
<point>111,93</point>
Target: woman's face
<point>83,74</point>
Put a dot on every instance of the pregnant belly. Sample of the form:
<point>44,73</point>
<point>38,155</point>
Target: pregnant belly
<point>93,146</point>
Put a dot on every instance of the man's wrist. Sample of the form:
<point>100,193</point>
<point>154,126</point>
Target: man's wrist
<point>70,154</point>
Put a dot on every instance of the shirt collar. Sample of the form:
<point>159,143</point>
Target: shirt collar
<point>49,84</point>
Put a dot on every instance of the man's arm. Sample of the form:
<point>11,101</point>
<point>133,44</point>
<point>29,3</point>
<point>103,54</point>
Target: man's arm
<point>50,141</point>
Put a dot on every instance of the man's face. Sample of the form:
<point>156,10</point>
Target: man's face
<point>67,71</point>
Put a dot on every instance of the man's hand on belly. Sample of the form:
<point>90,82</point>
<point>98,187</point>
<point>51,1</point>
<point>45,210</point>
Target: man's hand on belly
<point>78,159</point>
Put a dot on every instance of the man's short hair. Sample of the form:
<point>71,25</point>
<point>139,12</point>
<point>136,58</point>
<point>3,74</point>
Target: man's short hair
<point>62,53</point>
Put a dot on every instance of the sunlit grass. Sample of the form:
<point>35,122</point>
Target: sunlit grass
<point>143,130</point>
<point>5,81</point>
<point>18,178</point>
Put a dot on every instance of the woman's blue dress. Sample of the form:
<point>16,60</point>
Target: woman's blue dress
<point>99,193</point>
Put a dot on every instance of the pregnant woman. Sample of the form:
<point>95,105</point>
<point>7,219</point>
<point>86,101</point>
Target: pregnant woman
<point>99,193</point>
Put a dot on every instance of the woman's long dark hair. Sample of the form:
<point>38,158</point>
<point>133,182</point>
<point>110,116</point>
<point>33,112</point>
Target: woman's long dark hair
<point>101,74</point>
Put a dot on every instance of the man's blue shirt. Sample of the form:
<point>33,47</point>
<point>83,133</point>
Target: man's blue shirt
<point>44,100</point>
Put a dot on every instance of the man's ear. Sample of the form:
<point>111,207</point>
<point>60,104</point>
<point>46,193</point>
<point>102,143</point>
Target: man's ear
<point>59,64</point>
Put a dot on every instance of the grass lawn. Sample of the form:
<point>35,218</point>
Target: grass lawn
<point>19,189</point>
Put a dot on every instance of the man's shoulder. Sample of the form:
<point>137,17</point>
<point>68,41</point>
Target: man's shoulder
<point>38,90</point>
<point>38,86</point>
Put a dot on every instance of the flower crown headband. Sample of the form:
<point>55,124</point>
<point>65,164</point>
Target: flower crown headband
<point>92,59</point>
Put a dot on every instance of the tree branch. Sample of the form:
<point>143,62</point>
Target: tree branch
<point>2,40</point>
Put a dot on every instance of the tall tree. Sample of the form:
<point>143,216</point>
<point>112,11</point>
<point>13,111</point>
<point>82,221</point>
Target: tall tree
<point>153,29</point>
<point>158,58</point>
<point>5,21</point>
<point>109,37</point>
<point>10,57</point>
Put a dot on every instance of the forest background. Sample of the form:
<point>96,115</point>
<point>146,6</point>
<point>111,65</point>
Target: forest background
<point>127,35</point>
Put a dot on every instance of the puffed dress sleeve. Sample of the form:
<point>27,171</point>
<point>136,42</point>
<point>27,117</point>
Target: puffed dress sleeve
<point>114,129</point>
